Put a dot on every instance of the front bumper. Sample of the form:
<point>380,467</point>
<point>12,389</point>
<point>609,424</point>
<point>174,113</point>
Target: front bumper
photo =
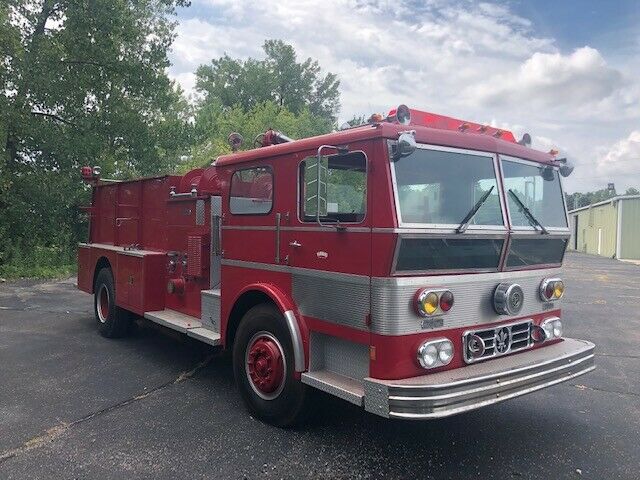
<point>474,386</point>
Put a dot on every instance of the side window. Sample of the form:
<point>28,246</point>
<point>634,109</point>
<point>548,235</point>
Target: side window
<point>251,191</point>
<point>346,189</point>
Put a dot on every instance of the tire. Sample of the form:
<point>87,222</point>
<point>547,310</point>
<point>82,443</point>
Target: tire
<point>113,321</point>
<point>262,342</point>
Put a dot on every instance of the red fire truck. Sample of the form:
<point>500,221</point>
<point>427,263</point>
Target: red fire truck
<point>410,265</point>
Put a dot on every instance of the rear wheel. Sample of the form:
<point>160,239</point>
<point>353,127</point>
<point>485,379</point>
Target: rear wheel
<point>113,321</point>
<point>263,367</point>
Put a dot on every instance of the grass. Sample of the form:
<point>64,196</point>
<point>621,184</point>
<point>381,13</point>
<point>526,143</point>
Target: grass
<point>40,263</point>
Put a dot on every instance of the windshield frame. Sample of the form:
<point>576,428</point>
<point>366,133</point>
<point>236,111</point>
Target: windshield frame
<point>530,229</point>
<point>452,227</point>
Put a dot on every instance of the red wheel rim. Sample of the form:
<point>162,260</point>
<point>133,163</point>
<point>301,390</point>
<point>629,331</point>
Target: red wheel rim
<point>265,365</point>
<point>103,304</point>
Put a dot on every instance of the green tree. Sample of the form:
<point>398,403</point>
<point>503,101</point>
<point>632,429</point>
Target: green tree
<point>280,78</point>
<point>82,82</point>
<point>214,122</point>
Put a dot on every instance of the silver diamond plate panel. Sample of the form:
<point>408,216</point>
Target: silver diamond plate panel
<point>334,299</point>
<point>339,356</point>
<point>392,311</point>
<point>376,398</point>
<point>210,302</point>
<point>199,212</point>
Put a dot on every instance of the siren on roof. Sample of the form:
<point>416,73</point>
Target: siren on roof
<point>235,141</point>
<point>525,140</point>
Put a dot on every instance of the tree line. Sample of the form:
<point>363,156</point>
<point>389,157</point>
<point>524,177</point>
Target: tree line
<point>84,82</point>
<point>580,199</point>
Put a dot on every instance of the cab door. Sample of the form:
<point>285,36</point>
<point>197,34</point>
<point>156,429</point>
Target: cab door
<point>330,248</point>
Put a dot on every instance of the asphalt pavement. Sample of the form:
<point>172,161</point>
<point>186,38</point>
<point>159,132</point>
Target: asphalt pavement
<point>74,405</point>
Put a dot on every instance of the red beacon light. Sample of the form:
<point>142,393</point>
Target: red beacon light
<point>90,174</point>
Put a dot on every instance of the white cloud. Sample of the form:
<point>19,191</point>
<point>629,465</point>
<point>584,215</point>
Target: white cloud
<point>553,80</point>
<point>621,162</point>
<point>480,62</point>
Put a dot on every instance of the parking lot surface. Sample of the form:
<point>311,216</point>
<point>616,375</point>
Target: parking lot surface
<point>159,405</point>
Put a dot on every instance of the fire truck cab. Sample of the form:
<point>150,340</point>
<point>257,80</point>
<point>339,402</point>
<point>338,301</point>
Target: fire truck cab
<point>410,265</point>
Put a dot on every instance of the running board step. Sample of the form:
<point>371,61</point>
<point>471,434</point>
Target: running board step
<point>341,386</point>
<point>205,335</point>
<point>175,320</point>
<point>184,324</point>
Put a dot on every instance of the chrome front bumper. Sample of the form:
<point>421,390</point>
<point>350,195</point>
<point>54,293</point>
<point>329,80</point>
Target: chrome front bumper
<point>474,386</point>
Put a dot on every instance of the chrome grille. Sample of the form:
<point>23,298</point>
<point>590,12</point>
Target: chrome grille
<point>495,340</point>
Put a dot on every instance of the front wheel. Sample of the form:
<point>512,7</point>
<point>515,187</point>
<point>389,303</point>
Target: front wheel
<point>263,366</point>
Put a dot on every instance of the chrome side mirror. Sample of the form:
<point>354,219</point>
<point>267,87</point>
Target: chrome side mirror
<point>566,167</point>
<point>406,145</point>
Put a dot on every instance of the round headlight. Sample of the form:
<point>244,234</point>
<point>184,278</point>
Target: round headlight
<point>445,352</point>
<point>428,355</point>
<point>557,329</point>
<point>548,330</point>
<point>435,353</point>
<point>552,328</point>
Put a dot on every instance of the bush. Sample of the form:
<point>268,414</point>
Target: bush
<point>40,262</point>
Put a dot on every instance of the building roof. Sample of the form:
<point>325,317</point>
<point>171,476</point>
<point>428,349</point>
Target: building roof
<point>604,202</point>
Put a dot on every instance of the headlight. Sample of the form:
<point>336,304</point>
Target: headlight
<point>552,328</point>
<point>435,353</point>
<point>551,289</point>
<point>430,302</point>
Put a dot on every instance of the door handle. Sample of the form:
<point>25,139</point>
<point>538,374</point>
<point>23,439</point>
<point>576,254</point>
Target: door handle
<point>295,244</point>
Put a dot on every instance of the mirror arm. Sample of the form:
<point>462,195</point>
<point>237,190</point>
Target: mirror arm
<point>319,167</point>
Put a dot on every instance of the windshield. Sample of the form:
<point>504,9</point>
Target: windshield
<point>441,187</point>
<point>538,189</point>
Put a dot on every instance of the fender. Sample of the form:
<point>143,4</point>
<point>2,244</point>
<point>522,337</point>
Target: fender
<point>297,328</point>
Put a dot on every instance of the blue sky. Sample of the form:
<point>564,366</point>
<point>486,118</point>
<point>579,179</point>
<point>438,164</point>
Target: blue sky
<point>605,25</point>
<point>568,72</point>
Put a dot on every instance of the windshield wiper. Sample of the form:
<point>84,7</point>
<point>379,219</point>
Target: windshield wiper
<point>527,213</point>
<point>464,224</point>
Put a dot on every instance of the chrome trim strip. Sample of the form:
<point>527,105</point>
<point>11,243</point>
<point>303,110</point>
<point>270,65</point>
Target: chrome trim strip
<point>121,250</point>
<point>296,340</point>
<point>494,277</point>
<point>353,278</point>
<point>496,399</point>
<point>504,383</point>
<point>328,229</point>
<point>248,227</point>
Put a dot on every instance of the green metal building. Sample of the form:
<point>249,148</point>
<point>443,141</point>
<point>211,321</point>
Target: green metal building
<point>610,228</point>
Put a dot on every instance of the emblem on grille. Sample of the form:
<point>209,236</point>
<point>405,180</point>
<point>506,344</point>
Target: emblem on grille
<point>476,346</point>
<point>503,340</point>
